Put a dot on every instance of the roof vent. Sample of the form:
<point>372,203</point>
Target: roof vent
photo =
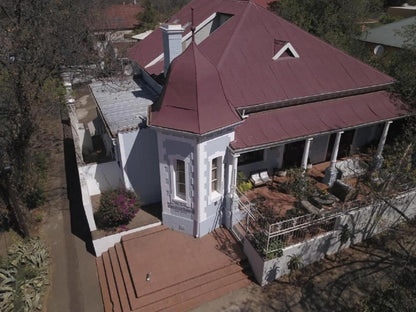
<point>283,49</point>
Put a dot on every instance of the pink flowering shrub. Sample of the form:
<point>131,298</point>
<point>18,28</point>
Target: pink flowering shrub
<point>117,207</point>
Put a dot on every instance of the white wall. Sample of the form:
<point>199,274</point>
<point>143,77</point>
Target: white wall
<point>140,162</point>
<point>101,177</point>
<point>363,223</point>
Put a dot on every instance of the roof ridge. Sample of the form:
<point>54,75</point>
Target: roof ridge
<point>194,46</point>
<point>229,44</point>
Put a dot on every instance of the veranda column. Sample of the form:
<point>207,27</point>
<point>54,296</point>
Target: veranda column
<point>331,172</point>
<point>378,158</point>
<point>305,155</point>
<point>230,198</point>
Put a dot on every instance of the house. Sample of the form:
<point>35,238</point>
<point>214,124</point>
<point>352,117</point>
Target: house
<point>388,37</point>
<point>115,24</point>
<point>405,10</point>
<point>239,89</point>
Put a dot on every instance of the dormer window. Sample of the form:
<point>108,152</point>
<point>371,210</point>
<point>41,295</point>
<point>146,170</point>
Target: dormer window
<point>283,50</point>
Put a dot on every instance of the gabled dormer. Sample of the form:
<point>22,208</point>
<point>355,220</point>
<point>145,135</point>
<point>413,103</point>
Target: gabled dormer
<point>284,49</point>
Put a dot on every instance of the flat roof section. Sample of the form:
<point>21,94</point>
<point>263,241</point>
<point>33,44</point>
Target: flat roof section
<point>123,104</point>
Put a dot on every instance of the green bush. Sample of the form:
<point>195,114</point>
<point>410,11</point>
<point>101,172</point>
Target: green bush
<point>24,276</point>
<point>243,184</point>
<point>117,207</point>
<point>35,197</point>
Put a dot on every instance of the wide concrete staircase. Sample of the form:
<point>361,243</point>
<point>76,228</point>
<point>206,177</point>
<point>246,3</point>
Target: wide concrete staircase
<point>119,293</point>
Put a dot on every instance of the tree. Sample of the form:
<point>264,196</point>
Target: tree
<point>335,21</point>
<point>156,11</point>
<point>37,39</point>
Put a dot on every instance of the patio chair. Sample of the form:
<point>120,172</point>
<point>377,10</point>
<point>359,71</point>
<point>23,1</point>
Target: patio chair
<point>260,178</point>
<point>265,177</point>
<point>256,180</point>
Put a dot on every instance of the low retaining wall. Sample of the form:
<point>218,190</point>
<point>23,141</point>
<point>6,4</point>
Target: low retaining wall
<point>103,244</point>
<point>362,223</point>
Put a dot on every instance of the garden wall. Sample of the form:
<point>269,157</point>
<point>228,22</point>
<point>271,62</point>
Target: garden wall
<point>362,223</point>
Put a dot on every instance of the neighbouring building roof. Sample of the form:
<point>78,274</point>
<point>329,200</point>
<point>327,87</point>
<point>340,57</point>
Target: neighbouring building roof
<point>389,34</point>
<point>123,104</point>
<point>300,121</point>
<point>263,3</point>
<point>242,50</point>
<point>193,99</point>
<point>118,17</point>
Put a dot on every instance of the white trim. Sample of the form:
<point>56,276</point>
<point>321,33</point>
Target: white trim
<point>283,49</point>
<point>216,194</point>
<point>172,169</point>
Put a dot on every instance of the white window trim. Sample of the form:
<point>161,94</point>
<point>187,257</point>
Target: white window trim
<point>289,47</point>
<point>215,195</point>
<point>172,168</point>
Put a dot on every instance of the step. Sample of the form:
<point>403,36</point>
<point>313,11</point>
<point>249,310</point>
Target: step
<point>208,296</point>
<point>128,282</point>
<point>108,306</point>
<point>144,233</point>
<point>185,285</point>
<point>121,289</point>
<point>112,288</point>
<point>198,293</point>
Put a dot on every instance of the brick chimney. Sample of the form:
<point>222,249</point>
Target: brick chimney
<point>172,43</point>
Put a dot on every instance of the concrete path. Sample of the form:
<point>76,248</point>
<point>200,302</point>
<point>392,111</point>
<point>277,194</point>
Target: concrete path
<point>74,282</point>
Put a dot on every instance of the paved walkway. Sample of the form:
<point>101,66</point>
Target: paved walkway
<point>74,282</point>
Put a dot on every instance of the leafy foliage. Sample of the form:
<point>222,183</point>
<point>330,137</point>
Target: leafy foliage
<point>333,21</point>
<point>295,263</point>
<point>117,207</point>
<point>24,276</point>
<point>298,184</point>
<point>259,241</point>
<point>156,11</point>
<point>243,184</point>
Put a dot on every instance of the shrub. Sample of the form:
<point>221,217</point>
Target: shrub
<point>243,184</point>
<point>117,207</point>
<point>24,276</point>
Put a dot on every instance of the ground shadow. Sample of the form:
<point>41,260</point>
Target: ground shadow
<point>79,223</point>
<point>153,209</point>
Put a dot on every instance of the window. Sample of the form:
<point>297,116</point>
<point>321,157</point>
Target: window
<point>251,157</point>
<point>215,173</point>
<point>180,179</point>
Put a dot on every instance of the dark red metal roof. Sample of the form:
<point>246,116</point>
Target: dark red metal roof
<point>193,99</point>
<point>242,50</point>
<point>314,118</point>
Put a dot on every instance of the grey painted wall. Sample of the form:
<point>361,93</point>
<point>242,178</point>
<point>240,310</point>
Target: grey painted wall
<point>365,135</point>
<point>142,164</point>
<point>212,207</point>
<point>319,146</point>
<point>273,158</point>
<point>177,214</point>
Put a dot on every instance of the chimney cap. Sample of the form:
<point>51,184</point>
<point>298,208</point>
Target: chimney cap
<point>172,27</point>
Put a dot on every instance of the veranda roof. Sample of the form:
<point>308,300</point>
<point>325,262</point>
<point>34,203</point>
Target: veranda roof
<point>300,121</point>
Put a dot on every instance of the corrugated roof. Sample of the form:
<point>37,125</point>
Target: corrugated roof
<point>388,34</point>
<point>310,119</point>
<point>193,99</point>
<point>124,103</point>
<point>242,50</point>
<point>118,16</point>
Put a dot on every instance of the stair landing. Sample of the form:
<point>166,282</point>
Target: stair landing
<point>162,270</point>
